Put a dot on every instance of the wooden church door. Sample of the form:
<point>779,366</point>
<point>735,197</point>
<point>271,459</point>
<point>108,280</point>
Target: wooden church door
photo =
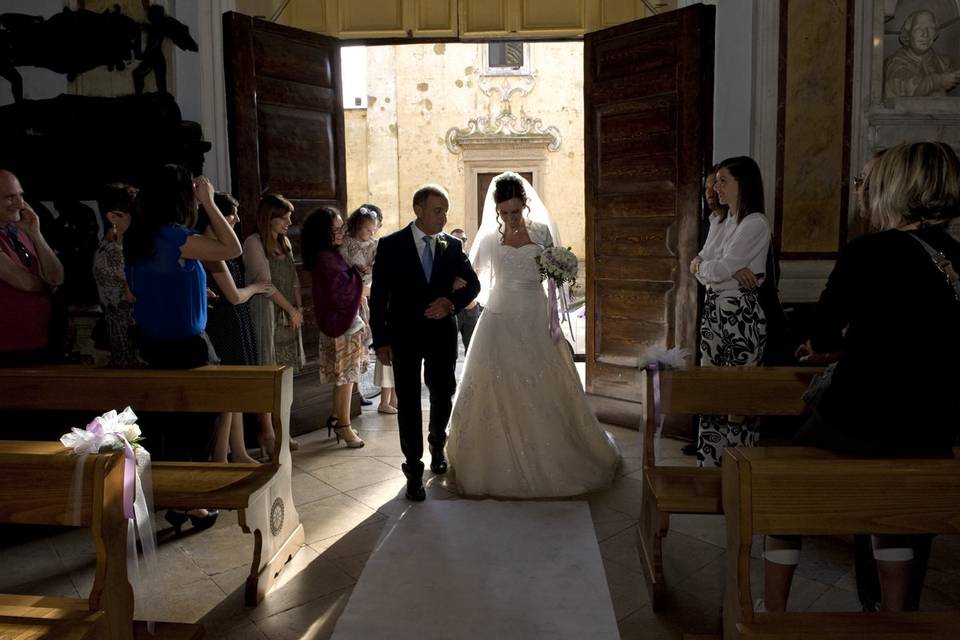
<point>648,105</point>
<point>285,107</point>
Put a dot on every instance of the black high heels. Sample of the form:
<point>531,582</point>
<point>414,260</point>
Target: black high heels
<point>200,523</point>
<point>332,423</point>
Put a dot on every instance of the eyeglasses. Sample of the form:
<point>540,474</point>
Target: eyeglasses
<point>858,181</point>
<point>19,247</point>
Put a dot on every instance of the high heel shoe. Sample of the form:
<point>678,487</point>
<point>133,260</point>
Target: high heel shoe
<point>200,523</point>
<point>176,519</point>
<point>332,423</point>
<point>355,443</point>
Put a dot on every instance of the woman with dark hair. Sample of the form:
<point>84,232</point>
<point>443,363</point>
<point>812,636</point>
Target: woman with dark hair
<point>163,254</point>
<point>733,326</point>
<point>337,291</point>
<point>521,426</point>
<point>116,300</point>
<point>163,257</point>
<point>229,325</point>
<point>268,259</point>
<point>891,293</point>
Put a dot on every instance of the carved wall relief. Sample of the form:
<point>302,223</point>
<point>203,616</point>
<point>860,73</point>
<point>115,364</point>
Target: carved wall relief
<point>925,61</point>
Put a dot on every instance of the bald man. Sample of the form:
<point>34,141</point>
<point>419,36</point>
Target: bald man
<point>29,273</point>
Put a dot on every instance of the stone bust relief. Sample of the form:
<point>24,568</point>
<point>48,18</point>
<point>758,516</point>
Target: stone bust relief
<point>916,69</point>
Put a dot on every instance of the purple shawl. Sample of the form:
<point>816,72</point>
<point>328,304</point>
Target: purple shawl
<point>337,288</point>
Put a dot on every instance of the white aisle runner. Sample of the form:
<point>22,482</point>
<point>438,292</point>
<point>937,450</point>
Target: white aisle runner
<point>455,569</point>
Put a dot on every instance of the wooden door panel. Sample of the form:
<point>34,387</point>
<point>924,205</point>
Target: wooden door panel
<point>635,238</point>
<point>623,269</point>
<point>286,126</point>
<point>297,167</point>
<point>638,174</point>
<point>653,203</point>
<point>284,58</point>
<point>648,100</point>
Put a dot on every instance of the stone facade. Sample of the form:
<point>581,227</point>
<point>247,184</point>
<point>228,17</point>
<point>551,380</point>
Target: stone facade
<point>420,92</point>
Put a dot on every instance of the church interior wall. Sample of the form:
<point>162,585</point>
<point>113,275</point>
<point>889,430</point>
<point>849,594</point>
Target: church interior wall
<point>38,83</point>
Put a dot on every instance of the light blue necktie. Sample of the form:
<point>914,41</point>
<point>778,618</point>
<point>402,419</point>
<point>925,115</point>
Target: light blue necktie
<point>426,257</point>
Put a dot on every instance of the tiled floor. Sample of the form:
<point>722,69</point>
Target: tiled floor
<point>345,499</point>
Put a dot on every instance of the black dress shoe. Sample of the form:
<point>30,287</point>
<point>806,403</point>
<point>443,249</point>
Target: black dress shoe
<point>438,462</point>
<point>364,402</point>
<point>415,491</point>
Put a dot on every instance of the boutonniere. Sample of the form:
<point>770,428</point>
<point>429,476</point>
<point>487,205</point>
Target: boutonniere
<point>441,244</point>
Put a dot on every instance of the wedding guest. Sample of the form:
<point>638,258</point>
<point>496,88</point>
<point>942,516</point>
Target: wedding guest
<point>711,222</point>
<point>891,292</point>
<point>733,324</point>
<point>337,295</point>
<point>358,249</point>
<point>277,318</point>
<point>470,314</point>
<point>29,273</point>
<point>116,299</point>
<point>382,373</point>
<point>229,325</point>
<point>163,257</point>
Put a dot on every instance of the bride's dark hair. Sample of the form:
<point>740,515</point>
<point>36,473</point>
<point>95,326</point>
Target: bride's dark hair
<point>508,188</point>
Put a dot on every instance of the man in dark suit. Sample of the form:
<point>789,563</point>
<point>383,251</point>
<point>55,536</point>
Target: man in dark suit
<point>412,308</point>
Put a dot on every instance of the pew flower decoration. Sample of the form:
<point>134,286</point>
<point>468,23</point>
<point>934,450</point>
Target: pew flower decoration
<point>559,264</point>
<point>675,358</point>
<point>110,432</point>
<point>119,432</point>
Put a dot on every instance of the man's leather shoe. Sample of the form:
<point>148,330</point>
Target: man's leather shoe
<point>415,491</point>
<point>438,462</point>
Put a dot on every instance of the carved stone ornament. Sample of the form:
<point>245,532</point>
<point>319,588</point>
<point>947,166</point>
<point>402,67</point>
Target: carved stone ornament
<point>490,85</point>
<point>506,127</point>
<point>916,69</point>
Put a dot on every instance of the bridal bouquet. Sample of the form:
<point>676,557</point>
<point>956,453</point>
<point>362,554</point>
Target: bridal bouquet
<point>559,264</point>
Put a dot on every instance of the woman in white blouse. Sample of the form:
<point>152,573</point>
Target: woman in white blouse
<point>731,265</point>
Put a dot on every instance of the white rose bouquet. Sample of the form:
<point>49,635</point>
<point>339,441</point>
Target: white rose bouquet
<point>559,264</point>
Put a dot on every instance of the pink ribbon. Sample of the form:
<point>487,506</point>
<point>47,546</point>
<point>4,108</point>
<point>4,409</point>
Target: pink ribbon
<point>554,312</point>
<point>129,479</point>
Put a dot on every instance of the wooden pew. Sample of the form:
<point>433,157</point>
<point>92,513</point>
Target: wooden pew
<point>262,494</point>
<point>37,487</point>
<point>751,391</point>
<point>792,490</point>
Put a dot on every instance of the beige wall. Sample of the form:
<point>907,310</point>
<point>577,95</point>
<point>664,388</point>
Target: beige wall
<point>418,92</point>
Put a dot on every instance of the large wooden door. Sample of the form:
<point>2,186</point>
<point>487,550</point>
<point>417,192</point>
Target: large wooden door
<point>648,95</point>
<point>286,125</point>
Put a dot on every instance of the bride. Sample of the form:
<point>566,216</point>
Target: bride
<point>521,426</point>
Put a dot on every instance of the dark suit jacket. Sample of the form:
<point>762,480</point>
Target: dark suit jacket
<point>400,292</point>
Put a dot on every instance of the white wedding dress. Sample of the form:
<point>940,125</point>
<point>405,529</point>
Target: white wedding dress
<point>521,426</point>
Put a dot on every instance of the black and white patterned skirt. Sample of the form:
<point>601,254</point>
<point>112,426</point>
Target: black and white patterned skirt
<point>733,333</point>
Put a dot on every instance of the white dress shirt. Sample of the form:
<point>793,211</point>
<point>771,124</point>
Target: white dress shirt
<point>418,237</point>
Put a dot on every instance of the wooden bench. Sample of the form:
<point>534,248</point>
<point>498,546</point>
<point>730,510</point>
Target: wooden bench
<point>261,493</point>
<point>792,490</point>
<point>751,391</point>
<point>37,487</point>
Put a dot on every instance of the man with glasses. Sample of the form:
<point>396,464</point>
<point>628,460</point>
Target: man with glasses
<point>29,272</point>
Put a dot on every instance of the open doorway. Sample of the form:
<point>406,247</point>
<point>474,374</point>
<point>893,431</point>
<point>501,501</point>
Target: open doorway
<point>459,114</point>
